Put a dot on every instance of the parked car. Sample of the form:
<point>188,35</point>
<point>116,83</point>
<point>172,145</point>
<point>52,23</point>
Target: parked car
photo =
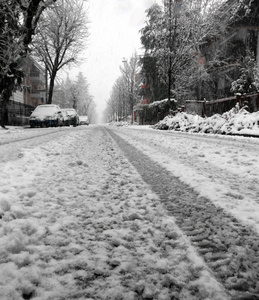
<point>73,116</point>
<point>46,115</point>
<point>83,120</point>
<point>66,118</point>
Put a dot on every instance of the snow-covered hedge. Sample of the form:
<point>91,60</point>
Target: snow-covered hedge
<point>155,111</point>
<point>234,121</point>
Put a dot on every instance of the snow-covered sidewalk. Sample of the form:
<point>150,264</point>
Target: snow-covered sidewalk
<point>78,222</point>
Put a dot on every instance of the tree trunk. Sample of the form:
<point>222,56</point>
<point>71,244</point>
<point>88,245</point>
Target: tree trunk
<point>132,109</point>
<point>3,113</point>
<point>6,94</point>
<point>51,86</point>
<point>46,84</point>
<point>169,82</point>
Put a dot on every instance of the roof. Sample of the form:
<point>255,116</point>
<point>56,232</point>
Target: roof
<point>30,60</point>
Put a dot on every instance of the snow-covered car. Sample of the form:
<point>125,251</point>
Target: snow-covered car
<point>66,119</point>
<point>72,116</point>
<point>83,120</point>
<point>46,115</point>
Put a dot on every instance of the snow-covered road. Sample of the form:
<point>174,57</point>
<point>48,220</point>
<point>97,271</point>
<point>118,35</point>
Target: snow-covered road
<point>79,222</point>
<point>222,169</point>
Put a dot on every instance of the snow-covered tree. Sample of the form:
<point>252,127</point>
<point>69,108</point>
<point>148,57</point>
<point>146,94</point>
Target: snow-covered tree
<point>61,37</point>
<point>125,91</point>
<point>61,94</point>
<point>75,94</point>
<point>132,80</point>
<point>248,80</point>
<point>173,39</point>
<point>18,22</point>
<point>167,38</point>
<point>117,105</point>
<point>85,104</point>
<point>231,55</point>
<point>157,89</point>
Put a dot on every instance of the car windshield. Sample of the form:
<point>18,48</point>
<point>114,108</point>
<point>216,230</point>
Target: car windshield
<point>44,110</point>
<point>71,112</point>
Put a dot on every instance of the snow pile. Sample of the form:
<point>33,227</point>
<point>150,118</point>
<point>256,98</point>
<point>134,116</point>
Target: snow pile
<point>235,121</point>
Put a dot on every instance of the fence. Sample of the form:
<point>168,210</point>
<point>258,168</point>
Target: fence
<point>219,106</point>
<point>156,111</point>
<point>18,113</point>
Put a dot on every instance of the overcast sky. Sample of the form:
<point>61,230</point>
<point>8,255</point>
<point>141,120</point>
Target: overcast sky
<point>114,34</point>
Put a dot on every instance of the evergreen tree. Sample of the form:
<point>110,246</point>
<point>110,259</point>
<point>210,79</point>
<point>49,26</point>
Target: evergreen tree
<point>75,94</point>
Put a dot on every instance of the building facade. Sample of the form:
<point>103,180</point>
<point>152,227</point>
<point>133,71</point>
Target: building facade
<point>232,58</point>
<point>30,94</point>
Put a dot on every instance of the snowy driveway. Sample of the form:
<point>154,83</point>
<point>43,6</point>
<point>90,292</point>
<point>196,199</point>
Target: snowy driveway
<point>79,222</point>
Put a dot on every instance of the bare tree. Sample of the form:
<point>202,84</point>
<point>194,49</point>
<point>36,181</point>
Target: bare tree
<point>18,21</point>
<point>132,79</point>
<point>85,100</point>
<point>117,106</point>
<point>125,91</point>
<point>111,110</point>
<point>119,98</point>
<point>61,37</point>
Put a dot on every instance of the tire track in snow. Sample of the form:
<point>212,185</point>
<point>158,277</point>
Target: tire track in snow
<point>35,136</point>
<point>10,149</point>
<point>229,248</point>
<point>200,163</point>
<point>216,179</point>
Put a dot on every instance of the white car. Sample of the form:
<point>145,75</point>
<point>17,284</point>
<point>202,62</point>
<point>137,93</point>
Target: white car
<point>83,120</point>
<point>46,115</point>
